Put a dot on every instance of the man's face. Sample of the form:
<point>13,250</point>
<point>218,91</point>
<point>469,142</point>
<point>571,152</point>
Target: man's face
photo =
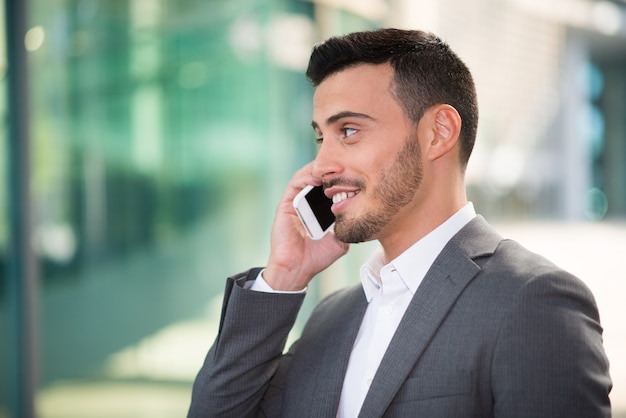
<point>369,157</point>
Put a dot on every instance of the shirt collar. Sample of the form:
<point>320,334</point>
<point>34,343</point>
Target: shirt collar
<point>413,264</point>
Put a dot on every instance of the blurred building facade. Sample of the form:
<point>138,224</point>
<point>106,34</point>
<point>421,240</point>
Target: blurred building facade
<point>161,135</point>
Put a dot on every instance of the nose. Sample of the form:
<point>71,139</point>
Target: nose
<point>327,162</point>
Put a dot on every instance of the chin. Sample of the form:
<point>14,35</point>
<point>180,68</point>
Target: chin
<point>354,232</point>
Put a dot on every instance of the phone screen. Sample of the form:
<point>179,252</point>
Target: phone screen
<point>320,204</point>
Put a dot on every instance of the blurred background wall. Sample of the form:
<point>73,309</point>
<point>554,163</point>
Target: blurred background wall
<point>161,133</point>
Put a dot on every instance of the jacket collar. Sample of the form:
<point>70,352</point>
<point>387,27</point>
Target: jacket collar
<point>449,275</point>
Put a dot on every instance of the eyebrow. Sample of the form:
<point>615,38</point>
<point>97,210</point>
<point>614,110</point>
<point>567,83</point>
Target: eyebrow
<point>340,115</point>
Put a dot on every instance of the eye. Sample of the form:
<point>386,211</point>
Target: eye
<point>318,140</point>
<point>348,132</point>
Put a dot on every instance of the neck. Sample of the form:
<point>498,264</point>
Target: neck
<point>416,221</point>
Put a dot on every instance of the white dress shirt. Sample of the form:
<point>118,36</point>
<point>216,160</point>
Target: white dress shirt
<point>389,289</point>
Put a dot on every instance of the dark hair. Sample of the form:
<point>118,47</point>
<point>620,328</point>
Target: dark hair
<point>426,72</point>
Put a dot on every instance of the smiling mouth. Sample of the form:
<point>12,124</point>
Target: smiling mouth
<point>340,197</point>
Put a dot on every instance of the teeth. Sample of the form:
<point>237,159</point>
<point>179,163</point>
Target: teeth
<point>340,197</point>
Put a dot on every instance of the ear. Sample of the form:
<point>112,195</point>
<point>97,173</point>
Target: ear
<point>445,127</point>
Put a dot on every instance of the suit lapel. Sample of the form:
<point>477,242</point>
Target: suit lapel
<point>315,385</point>
<point>337,354</point>
<point>442,285</point>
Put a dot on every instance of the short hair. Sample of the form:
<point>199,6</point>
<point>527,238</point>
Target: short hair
<point>426,72</point>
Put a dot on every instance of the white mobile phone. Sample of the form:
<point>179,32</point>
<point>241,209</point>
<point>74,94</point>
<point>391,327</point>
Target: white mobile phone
<point>313,209</point>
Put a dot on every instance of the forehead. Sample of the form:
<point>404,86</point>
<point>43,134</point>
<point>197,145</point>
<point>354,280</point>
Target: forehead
<point>364,88</point>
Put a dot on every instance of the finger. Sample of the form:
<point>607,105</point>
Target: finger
<point>300,180</point>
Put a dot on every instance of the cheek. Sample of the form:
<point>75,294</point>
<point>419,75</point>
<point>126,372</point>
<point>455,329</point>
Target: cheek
<point>371,157</point>
<point>380,162</point>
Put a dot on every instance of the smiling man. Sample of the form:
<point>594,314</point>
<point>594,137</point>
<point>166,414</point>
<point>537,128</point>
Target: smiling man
<point>449,320</point>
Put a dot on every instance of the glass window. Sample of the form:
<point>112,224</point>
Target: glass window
<point>162,133</point>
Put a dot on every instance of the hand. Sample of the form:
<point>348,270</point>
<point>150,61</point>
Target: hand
<point>295,258</point>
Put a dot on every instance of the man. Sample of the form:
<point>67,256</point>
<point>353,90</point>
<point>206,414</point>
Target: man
<point>450,320</point>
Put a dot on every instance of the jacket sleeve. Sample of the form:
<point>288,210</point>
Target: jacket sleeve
<point>549,360</point>
<point>239,367</point>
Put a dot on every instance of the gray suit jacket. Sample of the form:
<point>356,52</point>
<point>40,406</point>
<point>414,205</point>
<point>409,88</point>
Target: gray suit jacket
<point>493,331</point>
